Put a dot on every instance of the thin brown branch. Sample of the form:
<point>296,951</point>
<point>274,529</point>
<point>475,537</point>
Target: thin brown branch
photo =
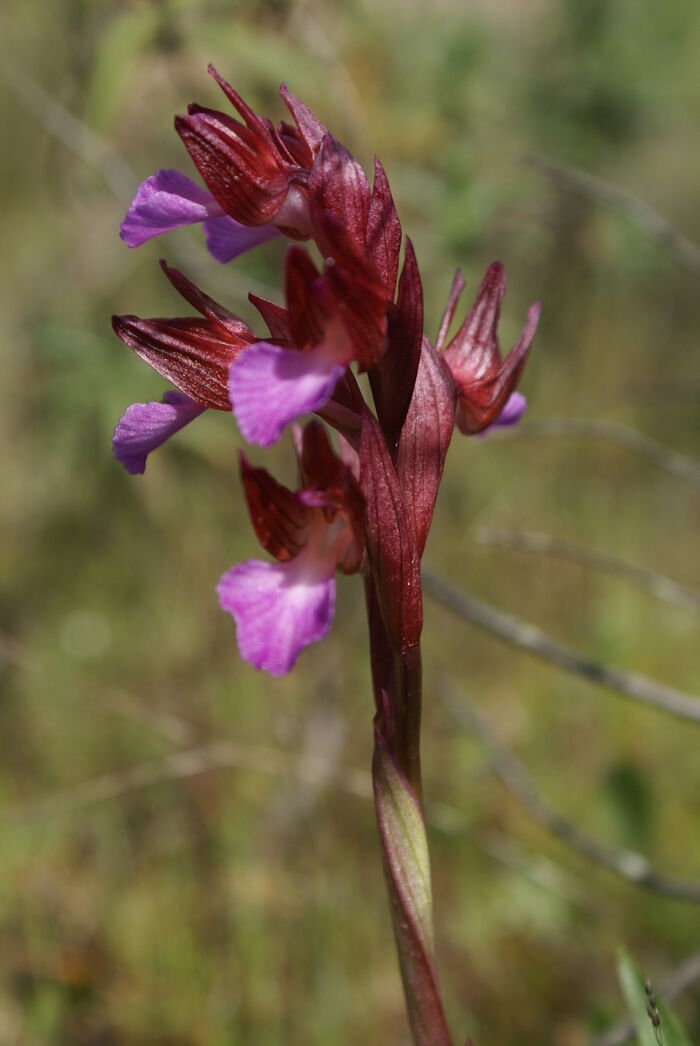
<point>166,724</point>
<point>533,640</point>
<point>627,864</point>
<point>655,584</point>
<point>679,980</point>
<point>591,187</point>
<point>72,133</point>
<point>307,27</point>
<point>670,461</point>
<point>189,763</point>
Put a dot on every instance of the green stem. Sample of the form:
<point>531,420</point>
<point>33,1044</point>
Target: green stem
<point>409,698</point>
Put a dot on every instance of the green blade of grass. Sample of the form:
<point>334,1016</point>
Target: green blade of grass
<point>631,981</point>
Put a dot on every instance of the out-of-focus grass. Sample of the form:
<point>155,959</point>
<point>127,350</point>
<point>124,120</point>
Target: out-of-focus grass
<point>247,906</point>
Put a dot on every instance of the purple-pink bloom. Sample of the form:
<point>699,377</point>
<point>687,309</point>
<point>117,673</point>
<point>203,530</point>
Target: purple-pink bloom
<point>332,318</point>
<point>169,199</point>
<point>257,173</point>
<point>144,426</point>
<point>280,608</point>
<point>270,386</point>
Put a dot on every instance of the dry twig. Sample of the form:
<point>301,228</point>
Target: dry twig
<point>591,187</point>
<point>670,461</point>
<point>189,763</point>
<point>656,584</point>
<point>101,156</point>
<point>627,864</point>
<point>535,641</point>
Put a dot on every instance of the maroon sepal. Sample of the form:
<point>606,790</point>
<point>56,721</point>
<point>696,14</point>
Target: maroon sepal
<point>279,518</point>
<point>194,354</point>
<point>275,316</point>
<point>393,378</point>
<point>338,185</point>
<point>485,380</point>
<point>186,352</point>
<point>390,541</point>
<point>425,438</point>
<point>311,131</point>
<point>221,319</point>
<point>383,234</point>
<point>244,177</point>
<point>356,290</point>
<point>347,393</point>
<point>452,300</point>
<point>308,305</point>
<point>329,484</point>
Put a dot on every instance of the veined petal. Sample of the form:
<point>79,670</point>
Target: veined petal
<point>453,297</point>
<point>338,184</point>
<point>280,518</point>
<point>191,353</point>
<point>227,238</point>
<point>474,353</point>
<point>166,200</point>
<point>144,426</point>
<point>270,386</point>
<point>310,127</point>
<point>279,608</point>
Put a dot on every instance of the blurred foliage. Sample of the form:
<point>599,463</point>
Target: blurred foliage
<point>247,905</point>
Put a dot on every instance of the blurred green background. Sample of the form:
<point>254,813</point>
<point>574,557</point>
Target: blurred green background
<point>149,896</point>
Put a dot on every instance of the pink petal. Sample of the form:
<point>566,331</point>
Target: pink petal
<point>166,200</point>
<point>513,410</point>
<point>279,608</point>
<point>510,415</point>
<point>270,386</point>
<point>227,238</point>
<point>144,426</point>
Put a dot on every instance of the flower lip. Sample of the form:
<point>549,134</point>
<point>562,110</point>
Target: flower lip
<point>279,608</point>
<point>282,607</point>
